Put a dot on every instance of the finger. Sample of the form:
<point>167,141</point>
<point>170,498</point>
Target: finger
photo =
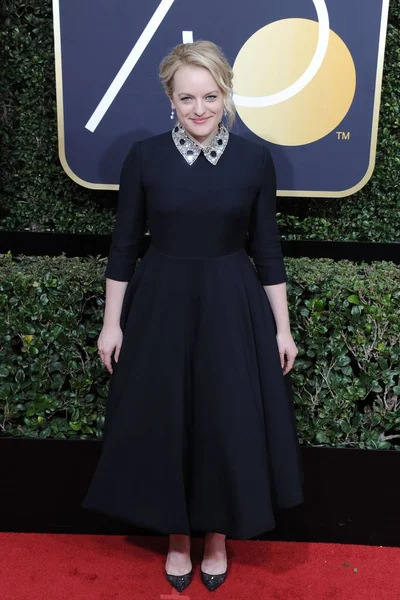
<point>103,357</point>
<point>289,361</point>
<point>286,368</point>
<point>116,353</point>
<point>289,364</point>
<point>107,362</point>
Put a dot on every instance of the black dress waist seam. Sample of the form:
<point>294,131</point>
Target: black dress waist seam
<point>240,249</point>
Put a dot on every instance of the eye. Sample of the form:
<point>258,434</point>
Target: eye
<point>211,96</point>
<point>185,98</point>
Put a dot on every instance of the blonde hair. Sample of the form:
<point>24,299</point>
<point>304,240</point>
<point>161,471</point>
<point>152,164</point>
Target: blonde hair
<point>200,53</point>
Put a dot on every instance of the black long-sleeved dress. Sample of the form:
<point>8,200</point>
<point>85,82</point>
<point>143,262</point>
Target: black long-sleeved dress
<point>200,431</point>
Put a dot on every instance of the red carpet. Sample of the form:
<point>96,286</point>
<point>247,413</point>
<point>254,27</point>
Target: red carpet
<point>101,567</point>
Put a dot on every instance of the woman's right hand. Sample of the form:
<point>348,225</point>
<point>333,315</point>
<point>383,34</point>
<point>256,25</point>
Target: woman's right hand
<point>110,339</point>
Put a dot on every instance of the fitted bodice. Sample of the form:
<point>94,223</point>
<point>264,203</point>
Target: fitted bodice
<point>197,210</point>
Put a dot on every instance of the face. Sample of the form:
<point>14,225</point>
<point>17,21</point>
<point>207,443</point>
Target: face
<point>198,101</point>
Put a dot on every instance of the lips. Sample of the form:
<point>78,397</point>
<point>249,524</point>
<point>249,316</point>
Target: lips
<point>200,120</point>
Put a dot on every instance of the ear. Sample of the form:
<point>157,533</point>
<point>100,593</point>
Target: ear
<point>172,102</point>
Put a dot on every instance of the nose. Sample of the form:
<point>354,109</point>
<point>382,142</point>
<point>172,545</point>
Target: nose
<point>199,109</point>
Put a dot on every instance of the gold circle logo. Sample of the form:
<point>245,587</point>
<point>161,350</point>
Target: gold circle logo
<point>294,80</point>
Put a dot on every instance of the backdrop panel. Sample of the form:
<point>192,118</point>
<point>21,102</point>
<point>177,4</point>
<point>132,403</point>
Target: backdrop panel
<point>307,82</point>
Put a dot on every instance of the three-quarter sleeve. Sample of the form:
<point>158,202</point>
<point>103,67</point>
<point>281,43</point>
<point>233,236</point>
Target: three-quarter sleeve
<point>263,234</point>
<point>130,221</point>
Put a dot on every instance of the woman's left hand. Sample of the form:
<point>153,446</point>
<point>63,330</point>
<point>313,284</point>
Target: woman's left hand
<point>287,351</point>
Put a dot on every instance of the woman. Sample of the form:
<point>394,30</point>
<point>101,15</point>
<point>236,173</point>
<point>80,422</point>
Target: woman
<point>200,428</point>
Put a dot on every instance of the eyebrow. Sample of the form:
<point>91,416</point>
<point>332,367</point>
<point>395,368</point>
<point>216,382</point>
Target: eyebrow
<point>186,94</point>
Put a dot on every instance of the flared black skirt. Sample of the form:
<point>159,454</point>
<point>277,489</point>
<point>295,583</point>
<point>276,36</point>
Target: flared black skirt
<point>200,430</point>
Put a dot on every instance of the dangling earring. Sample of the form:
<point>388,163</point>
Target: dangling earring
<point>172,113</point>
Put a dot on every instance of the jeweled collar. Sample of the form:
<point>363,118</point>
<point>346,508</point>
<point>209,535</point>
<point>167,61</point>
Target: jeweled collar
<point>190,150</point>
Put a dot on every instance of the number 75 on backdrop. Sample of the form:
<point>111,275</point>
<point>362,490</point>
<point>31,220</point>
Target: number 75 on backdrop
<point>307,82</point>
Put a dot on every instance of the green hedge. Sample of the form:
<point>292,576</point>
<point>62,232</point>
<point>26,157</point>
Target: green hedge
<point>345,321</point>
<point>38,196</point>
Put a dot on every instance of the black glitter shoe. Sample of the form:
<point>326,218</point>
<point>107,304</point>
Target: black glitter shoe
<point>180,582</point>
<point>213,581</point>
